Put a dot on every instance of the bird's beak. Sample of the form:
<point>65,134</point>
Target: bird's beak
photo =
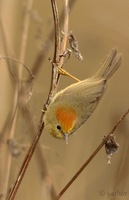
<point>66,137</point>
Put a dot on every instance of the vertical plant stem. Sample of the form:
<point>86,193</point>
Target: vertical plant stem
<point>15,102</point>
<point>43,53</point>
<point>65,28</point>
<point>25,30</point>
<point>57,32</point>
<point>52,91</point>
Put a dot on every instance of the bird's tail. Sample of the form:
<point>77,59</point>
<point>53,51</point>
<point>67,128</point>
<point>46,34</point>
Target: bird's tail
<point>110,65</point>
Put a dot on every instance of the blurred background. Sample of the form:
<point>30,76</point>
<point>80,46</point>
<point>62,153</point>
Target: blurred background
<point>98,27</point>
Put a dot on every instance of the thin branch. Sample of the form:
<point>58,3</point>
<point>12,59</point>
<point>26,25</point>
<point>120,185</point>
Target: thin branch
<point>26,22</point>
<point>52,91</point>
<point>19,62</point>
<point>43,53</point>
<point>25,29</point>
<point>57,32</point>
<point>15,106</point>
<point>25,164</point>
<point>92,156</point>
<point>55,74</point>
<point>39,152</point>
<point>65,30</point>
<point>61,44</point>
<point>5,167</point>
<point>7,46</point>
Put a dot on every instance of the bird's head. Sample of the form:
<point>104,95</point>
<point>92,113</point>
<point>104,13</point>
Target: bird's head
<point>60,121</point>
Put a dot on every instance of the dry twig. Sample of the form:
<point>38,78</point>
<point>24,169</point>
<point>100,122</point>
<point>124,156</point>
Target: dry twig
<point>92,156</point>
<point>53,88</point>
<point>10,129</point>
<point>43,53</point>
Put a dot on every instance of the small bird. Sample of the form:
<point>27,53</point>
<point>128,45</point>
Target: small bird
<point>72,106</point>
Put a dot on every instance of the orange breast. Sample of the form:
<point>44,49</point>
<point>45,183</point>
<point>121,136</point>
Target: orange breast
<point>66,117</point>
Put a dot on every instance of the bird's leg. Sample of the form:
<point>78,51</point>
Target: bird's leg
<point>64,72</point>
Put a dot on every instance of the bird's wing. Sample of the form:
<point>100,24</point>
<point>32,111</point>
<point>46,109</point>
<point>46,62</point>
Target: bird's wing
<point>88,90</point>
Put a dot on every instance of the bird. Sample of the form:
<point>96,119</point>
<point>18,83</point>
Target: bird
<point>72,106</point>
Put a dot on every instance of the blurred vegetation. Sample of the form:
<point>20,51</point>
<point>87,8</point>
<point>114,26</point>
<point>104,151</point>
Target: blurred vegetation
<point>98,26</point>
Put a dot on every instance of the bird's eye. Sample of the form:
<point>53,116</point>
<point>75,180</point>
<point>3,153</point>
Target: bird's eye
<point>58,127</point>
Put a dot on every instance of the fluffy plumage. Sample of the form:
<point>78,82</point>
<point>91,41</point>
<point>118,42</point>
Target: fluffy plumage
<point>71,107</point>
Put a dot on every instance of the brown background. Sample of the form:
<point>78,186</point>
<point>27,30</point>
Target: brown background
<point>98,26</point>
